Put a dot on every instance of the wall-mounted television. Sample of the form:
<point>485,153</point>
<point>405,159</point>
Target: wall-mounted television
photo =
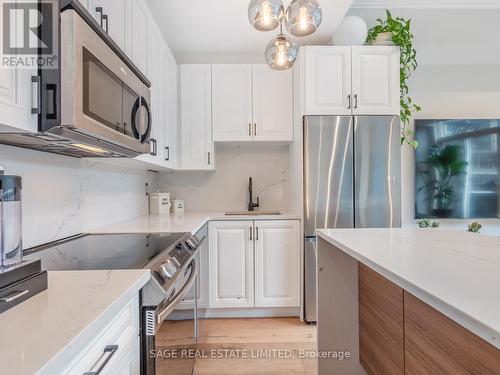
<point>457,169</point>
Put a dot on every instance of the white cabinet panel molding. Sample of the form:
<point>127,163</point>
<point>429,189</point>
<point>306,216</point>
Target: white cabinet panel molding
<point>231,264</point>
<point>277,263</point>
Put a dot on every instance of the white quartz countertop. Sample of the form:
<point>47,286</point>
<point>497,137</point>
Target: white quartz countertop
<point>457,273</point>
<point>174,223</point>
<point>53,323</point>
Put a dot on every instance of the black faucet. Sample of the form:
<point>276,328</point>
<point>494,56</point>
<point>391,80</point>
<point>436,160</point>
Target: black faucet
<point>251,204</point>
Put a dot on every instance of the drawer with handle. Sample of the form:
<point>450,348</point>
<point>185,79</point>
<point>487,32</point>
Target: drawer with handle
<point>20,291</point>
<point>104,354</point>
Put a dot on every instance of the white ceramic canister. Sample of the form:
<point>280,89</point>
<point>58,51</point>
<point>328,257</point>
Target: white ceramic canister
<point>178,206</point>
<point>159,203</point>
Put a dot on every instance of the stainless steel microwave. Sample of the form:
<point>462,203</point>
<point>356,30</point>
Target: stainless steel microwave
<point>97,103</point>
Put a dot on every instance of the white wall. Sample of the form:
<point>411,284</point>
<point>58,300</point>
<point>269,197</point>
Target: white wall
<point>63,196</point>
<point>227,187</point>
<point>458,74</point>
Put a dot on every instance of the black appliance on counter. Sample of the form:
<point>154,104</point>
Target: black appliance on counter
<point>21,282</point>
<point>171,257</point>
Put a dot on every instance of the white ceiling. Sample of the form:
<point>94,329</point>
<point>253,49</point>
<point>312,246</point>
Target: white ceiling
<point>222,27</point>
<point>427,4</point>
<point>218,30</point>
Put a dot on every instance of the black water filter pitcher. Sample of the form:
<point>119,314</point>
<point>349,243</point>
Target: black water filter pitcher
<point>10,220</point>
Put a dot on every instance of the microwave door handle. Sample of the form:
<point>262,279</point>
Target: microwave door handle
<point>147,121</point>
<point>136,130</point>
<point>173,303</point>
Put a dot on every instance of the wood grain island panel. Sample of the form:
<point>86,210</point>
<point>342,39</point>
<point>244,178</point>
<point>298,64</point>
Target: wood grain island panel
<point>381,325</point>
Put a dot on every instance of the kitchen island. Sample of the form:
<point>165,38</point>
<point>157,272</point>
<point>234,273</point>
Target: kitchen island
<point>411,299</point>
<point>60,330</point>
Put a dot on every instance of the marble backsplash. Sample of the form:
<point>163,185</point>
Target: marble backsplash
<point>226,188</point>
<point>64,196</point>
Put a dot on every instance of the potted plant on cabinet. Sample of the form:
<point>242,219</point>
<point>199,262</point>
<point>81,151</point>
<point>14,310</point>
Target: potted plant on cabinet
<point>397,31</point>
<point>442,165</point>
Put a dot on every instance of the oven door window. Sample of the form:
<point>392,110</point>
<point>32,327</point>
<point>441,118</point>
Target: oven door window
<point>102,94</point>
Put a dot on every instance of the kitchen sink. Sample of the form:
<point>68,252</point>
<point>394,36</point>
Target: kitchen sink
<point>252,213</point>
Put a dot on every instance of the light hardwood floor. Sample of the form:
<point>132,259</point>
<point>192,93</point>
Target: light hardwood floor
<point>248,347</point>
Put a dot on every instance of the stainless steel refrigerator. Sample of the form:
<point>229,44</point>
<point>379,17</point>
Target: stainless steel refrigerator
<point>352,172</point>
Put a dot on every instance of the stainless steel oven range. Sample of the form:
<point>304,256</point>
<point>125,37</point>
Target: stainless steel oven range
<point>171,257</point>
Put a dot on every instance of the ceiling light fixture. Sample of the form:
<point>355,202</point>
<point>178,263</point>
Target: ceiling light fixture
<point>281,52</point>
<point>265,15</point>
<point>302,18</point>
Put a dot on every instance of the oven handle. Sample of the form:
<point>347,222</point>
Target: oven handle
<point>175,301</point>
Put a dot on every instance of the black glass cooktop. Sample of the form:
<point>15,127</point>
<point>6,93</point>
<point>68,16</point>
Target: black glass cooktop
<point>102,251</point>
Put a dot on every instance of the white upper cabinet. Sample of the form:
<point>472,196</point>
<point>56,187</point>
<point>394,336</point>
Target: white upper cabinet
<point>138,19</point>
<point>171,89</point>
<point>327,80</point>
<point>231,264</point>
<point>272,104</point>
<point>252,103</point>
<point>156,75</point>
<point>277,263</point>
<point>196,115</point>
<point>110,14</point>
<point>375,80</point>
<point>232,102</point>
<point>18,97</point>
<point>114,24</point>
<point>359,80</point>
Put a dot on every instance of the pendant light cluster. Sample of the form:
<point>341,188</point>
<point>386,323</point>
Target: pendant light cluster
<point>301,18</point>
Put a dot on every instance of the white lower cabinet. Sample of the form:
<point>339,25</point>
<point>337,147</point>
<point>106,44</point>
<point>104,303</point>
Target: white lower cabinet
<point>277,263</point>
<point>202,279</point>
<point>117,345</point>
<point>254,264</point>
<point>231,264</point>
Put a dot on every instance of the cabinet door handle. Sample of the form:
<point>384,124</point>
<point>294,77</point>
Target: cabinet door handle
<point>36,82</point>
<point>349,101</point>
<point>108,352</point>
<point>251,233</point>
<point>209,158</point>
<point>256,233</point>
<point>249,129</point>
<point>167,153</point>
<point>254,128</point>
<point>105,18</point>
<point>99,10</point>
<point>13,296</point>
<point>356,101</point>
<point>154,143</point>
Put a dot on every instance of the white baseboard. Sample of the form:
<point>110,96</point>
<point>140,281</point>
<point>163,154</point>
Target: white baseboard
<point>271,312</point>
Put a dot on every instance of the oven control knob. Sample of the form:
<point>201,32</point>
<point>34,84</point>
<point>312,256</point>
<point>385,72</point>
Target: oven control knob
<point>192,242</point>
<point>168,269</point>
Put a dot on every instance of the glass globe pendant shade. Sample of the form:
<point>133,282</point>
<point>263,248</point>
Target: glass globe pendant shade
<point>303,17</point>
<point>281,53</point>
<point>265,15</point>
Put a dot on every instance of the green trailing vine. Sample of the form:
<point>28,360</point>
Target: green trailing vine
<point>403,38</point>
